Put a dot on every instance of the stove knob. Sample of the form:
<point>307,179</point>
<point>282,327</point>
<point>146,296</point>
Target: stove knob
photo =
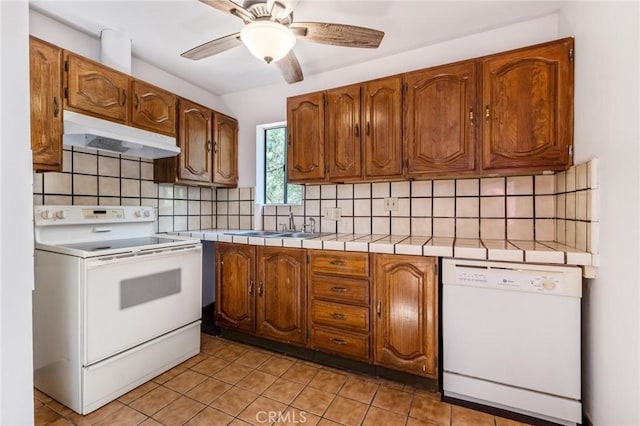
<point>548,285</point>
<point>138,213</point>
<point>147,213</point>
<point>61,214</point>
<point>46,214</point>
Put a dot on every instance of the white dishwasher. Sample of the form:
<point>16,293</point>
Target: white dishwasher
<point>511,337</point>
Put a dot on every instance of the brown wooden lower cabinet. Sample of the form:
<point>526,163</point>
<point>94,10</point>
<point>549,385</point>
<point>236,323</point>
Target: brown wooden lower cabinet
<point>405,319</point>
<point>340,342</point>
<point>235,279</point>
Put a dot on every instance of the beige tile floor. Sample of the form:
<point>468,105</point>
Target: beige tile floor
<point>232,384</point>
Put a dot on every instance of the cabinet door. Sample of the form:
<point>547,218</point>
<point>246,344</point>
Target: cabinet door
<point>194,138</point>
<point>225,150</point>
<point>235,301</point>
<point>153,108</point>
<point>527,98</point>
<point>282,294</point>
<point>382,122</point>
<point>440,115</point>
<point>96,90</point>
<point>305,127</point>
<point>343,142</point>
<point>405,320</point>
<point>45,69</point>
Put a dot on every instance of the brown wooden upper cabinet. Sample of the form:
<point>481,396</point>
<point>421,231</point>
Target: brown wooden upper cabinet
<point>527,99</point>
<point>45,71</point>
<point>342,137</point>
<point>235,278</point>
<point>194,140</point>
<point>153,109</point>
<point>440,114</point>
<point>405,319</point>
<point>225,150</point>
<point>305,147</point>
<point>94,89</point>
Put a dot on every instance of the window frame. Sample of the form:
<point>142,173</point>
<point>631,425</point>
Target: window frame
<point>286,183</point>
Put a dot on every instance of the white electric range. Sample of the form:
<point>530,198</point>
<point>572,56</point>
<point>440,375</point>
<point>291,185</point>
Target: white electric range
<point>114,304</point>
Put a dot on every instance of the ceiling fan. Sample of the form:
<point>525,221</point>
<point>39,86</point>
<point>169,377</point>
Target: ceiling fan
<point>270,34</point>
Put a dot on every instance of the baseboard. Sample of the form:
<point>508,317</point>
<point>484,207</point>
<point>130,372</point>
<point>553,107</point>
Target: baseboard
<point>209,321</point>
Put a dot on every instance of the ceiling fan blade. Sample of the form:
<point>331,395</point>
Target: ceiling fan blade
<point>338,34</point>
<point>213,47</point>
<point>290,68</point>
<point>230,7</point>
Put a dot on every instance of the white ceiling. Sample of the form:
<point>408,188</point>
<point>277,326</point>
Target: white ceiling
<point>161,30</point>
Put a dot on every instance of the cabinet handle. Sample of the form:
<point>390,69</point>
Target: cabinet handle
<point>338,289</point>
<point>368,130</point>
<point>471,115</point>
<point>251,287</point>
<point>215,147</point>
<point>209,145</point>
<point>357,130</point>
<point>338,262</point>
<point>124,97</point>
<point>337,341</point>
<point>338,316</point>
<point>260,289</point>
<point>379,307</point>
<point>56,107</point>
<point>487,113</point>
<point>137,101</point>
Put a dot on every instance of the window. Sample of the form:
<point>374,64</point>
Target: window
<point>276,188</point>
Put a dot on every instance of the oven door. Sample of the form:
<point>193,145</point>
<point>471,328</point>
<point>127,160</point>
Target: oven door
<point>132,299</point>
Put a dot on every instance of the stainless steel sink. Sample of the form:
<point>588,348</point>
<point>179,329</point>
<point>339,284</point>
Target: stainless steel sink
<point>304,235</point>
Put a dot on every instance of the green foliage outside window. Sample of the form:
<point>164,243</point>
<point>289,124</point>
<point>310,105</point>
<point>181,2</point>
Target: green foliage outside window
<point>277,190</point>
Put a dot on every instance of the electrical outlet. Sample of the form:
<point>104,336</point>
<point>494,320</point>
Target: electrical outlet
<point>333,213</point>
<point>391,204</point>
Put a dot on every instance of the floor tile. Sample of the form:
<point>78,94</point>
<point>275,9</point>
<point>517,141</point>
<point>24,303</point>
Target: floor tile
<point>295,416</point>
<point>97,415</point>
<point>150,422</point>
<point>415,422</point>
<point>136,393</point>
<point>346,411</point>
<point>231,352</point>
<point>262,411</point>
<point>257,381</point>
<point>328,381</point>
<point>210,366</point>
<point>313,400</point>
<point>500,421</point>
<point>377,416</point>
<point>301,373</point>
<point>252,358</point>
<point>393,400</point>
<point>37,403</point>
<point>234,401</point>
<point>40,396</point>
<point>168,375</point>
<point>232,373</point>
<point>211,345</point>
<point>461,416</point>
<point>430,410</point>
<point>283,390</point>
<point>59,408</point>
<point>238,422</point>
<point>209,417</point>
<point>194,360</point>
<point>360,390</point>
<point>186,381</point>
<point>44,415</point>
<point>276,366</point>
<point>179,411</point>
<point>122,417</point>
<point>327,422</point>
<point>155,400</point>
<point>208,391</point>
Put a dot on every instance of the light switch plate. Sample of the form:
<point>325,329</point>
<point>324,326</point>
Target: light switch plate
<point>391,204</point>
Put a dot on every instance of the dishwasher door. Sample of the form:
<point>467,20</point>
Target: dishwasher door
<point>511,328</point>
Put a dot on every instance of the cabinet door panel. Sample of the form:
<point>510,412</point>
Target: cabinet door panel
<point>383,128</point>
<point>97,90</point>
<point>194,138</point>
<point>235,302</point>
<point>406,318</point>
<point>305,149</point>
<point>440,120</point>
<point>528,108</point>
<point>225,150</point>
<point>45,69</point>
<point>343,133</point>
<point>281,294</point>
<point>153,108</point>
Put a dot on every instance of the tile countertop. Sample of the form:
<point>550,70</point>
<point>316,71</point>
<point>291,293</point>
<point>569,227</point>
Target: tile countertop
<point>467,248</point>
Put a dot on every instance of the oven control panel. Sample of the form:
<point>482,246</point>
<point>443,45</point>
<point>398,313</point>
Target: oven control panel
<point>71,215</point>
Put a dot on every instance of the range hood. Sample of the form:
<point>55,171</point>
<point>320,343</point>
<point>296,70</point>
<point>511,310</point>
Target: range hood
<point>91,132</point>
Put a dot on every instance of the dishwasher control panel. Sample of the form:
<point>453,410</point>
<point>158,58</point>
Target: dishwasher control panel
<point>552,280</point>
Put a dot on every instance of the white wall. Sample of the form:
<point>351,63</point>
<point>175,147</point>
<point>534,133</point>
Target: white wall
<point>16,203</point>
<point>268,104</point>
<point>43,27</point>
<point>606,126</point>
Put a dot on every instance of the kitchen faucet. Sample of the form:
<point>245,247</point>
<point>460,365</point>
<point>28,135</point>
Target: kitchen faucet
<point>292,225</point>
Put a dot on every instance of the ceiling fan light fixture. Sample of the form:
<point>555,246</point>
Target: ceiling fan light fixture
<point>267,40</point>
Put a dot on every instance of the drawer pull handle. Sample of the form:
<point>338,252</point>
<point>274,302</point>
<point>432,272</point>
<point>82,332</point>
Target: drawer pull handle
<point>260,289</point>
<point>251,287</point>
<point>338,262</point>
<point>336,315</point>
<point>379,307</point>
<point>338,289</point>
<point>337,341</point>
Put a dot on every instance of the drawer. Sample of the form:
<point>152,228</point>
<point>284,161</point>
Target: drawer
<point>342,316</point>
<point>340,289</point>
<point>340,263</point>
<point>351,345</point>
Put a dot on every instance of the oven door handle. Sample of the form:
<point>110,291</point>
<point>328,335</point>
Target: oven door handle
<point>142,255</point>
